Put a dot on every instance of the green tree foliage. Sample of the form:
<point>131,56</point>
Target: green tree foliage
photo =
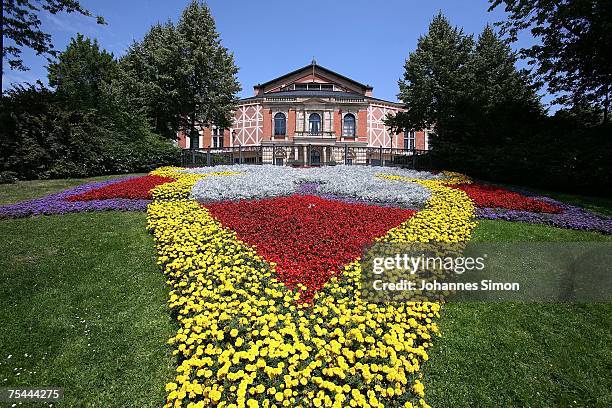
<point>149,77</point>
<point>81,73</point>
<point>573,53</point>
<point>494,79</point>
<point>435,76</point>
<point>495,93</point>
<point>39,138</point>
<point>207,72</point>
<point>488,119</point>
<point>181,75</point>
<point>20,25</point>
<point>86,126</point>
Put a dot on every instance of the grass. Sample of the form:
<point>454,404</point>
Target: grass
<point>522,354</point>
<point>26,190</point>
<point>81,295</point>
<point>83,307</point>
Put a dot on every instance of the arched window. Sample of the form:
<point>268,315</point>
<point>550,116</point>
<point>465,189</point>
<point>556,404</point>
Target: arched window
<point>315,123</point>
<point>348,126</point>
<point>280,124</point>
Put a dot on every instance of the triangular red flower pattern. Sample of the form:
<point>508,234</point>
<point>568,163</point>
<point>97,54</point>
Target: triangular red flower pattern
<point>309,237</point>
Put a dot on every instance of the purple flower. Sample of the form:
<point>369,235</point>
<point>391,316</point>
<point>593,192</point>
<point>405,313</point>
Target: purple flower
<point>57,203</point>
<point>571,217</point>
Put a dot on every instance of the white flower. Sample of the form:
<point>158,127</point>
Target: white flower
<point>354,182</point>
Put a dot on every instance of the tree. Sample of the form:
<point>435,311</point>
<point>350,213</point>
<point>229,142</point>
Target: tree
<point>81,72</point>
<point>435,76</point>
<point>496,94</point>
<point>207,72</point>
<point>149,76</point>
<point>21,25</point>
<point>573,54</point>
<point>494,77</point>
<point>182,76</point>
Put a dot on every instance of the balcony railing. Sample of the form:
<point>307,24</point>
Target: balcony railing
<point>320,134</point>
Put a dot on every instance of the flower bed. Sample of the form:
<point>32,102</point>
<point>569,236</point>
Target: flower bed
<point>122,194</point>
<point>496,203</point>
<point>133,188</point>
<point>246,340</point>
<point>307,237</point>
<point>59,203</point>
<point>487,196</point>
<point>571,217</point>
<point>348,182</point>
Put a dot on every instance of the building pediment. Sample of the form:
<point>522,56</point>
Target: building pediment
<point>314,101</point>
<point>312,77</point>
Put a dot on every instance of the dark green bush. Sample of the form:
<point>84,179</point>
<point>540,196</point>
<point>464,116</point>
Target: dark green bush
<point>40,138</point>
<point>8,177</point>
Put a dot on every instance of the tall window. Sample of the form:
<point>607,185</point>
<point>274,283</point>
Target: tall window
<point>315,123</point>
<point>280,124</point>
<point>217,138</point>
<point>348,126</point>
<point>409,139</point>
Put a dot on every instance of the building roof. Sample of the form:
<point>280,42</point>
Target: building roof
<point>315,94</point>
<point>318,67</point>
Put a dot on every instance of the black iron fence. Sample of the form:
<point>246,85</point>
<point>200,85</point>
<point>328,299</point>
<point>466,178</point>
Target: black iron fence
<point>308,155</point>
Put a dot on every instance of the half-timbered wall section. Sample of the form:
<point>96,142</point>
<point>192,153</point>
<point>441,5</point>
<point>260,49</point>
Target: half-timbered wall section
<point>248,124</point>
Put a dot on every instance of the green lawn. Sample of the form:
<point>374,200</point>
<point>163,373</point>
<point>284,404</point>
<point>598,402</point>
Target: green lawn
<point>522,354</point>
<point>25,190</point>
<point>83,307</point>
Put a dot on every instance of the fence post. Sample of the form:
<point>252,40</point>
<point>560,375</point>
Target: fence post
<point>345,153</point>
<point>239,154</point>
<point>309,154</point>
<point>382,163</point>
<point>273,154</point>
<point>208,158</point>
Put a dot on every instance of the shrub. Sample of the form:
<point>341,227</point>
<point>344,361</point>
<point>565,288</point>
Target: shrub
<point>40,138</point>
<point>8,177</point>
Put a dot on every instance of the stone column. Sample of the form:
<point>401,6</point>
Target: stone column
<point>295,153</point>
<point>305,158</point>
<point>324,154</point>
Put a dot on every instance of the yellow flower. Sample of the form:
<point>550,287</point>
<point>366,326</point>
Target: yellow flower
<point>216,281</point>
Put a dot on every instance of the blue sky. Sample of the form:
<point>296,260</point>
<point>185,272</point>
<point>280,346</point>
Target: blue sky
<point>365,40</point>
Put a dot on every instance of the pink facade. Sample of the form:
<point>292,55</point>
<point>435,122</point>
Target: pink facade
<point>311,106</point>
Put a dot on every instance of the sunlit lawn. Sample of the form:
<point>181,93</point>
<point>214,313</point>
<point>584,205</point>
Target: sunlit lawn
<point>83,307</point>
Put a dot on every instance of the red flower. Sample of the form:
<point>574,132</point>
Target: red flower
<point>134,188</point>
<point>308,237</point>
<point>487,196</point>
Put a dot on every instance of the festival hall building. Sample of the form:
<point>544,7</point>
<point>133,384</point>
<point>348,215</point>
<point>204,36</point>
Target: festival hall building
<point>311,115</point>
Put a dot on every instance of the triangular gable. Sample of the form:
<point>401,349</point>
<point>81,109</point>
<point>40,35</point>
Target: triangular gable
<point>312,73</point>
<point>314,101</point>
